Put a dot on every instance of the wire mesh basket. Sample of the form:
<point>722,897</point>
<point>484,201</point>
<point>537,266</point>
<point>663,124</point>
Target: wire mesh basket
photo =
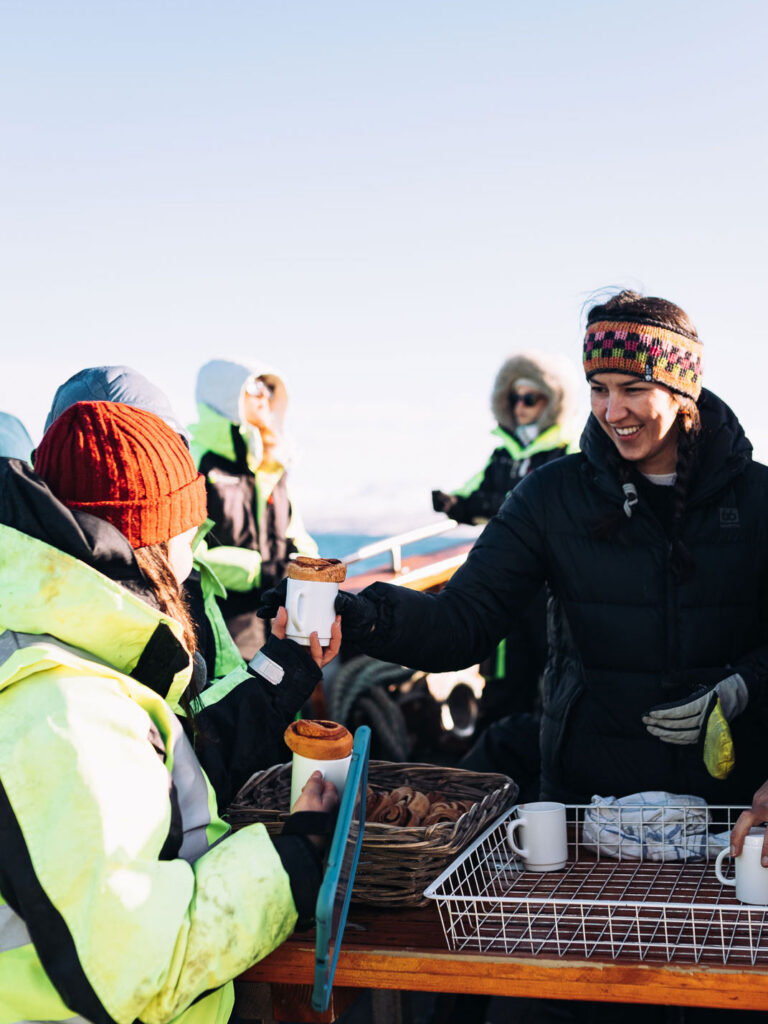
<point>639,884</point>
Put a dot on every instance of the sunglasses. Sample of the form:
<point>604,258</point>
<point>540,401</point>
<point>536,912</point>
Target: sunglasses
<point>257,388</point>
<point>528,400</point>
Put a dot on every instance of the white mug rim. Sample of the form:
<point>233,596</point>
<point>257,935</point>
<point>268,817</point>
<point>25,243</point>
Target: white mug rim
<point>540,807</point>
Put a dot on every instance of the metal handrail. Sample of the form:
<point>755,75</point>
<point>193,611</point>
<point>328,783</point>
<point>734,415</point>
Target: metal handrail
<point>393,546</point>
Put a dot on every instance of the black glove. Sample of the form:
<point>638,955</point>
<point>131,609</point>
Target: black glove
<point>272,600</point>
<point>359,616</point>
<point>442,502</point>
<point>453,506</point>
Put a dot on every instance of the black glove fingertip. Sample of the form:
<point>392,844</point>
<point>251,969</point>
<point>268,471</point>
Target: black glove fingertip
<point>272,600</point>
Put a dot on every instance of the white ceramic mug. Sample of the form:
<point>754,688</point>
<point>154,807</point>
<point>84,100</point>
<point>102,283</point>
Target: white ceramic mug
<point>333,771</point>
<point>544,835</point>
<point>310,607</point>
<point>751,878</point>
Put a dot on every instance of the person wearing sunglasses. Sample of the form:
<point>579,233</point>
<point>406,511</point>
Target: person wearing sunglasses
<point>239,445</point>
<point>532,400</point>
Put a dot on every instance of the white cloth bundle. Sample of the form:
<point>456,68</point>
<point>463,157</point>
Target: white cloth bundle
<point>650,826</point>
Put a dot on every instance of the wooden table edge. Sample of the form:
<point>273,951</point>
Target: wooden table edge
<point>601,981</point>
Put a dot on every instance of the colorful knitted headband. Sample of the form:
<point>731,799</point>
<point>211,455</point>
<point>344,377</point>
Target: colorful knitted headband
<point>645,350</point>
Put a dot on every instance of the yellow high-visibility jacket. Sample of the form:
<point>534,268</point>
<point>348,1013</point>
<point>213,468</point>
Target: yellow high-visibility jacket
<point>122,895</point>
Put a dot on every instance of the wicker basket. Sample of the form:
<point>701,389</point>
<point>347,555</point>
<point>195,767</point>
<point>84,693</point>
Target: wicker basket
<point>396,863</point>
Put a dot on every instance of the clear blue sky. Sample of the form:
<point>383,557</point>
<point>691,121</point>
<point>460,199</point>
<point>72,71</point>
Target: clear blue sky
<point>382,199</point>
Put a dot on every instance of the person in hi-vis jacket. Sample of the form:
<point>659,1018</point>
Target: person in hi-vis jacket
<point>239,444</point>
<point>123,895</point>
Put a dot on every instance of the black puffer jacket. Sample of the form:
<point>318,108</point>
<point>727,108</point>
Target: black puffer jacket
<point>624,635</point>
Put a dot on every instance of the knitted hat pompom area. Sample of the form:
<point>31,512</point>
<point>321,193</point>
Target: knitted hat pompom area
<point>124,465</point>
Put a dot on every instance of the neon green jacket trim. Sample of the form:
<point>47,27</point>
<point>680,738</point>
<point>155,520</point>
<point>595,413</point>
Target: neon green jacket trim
<point>228,658</point>
<point>555,437</point>
<point>88,798</point>
<point>211,433</point>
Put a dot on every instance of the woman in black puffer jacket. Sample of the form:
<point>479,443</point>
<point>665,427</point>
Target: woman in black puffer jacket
<point>653,542</point>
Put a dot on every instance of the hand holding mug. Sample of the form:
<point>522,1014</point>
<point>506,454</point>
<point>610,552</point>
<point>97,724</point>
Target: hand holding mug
<point>311,591</point>
<point>318,794</point>
<point>756,815</point>
<point>318,745</point>
<point>321,656</point>
<point>751,877</point>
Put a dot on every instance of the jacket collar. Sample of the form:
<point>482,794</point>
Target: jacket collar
<point>724,453</point>
<point>212,433</point>
<point>74,577</point>
<point>555,437</point>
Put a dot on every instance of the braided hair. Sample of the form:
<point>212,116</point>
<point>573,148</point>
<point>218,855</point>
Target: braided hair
<point>688,445</point>
<point>661,312</point>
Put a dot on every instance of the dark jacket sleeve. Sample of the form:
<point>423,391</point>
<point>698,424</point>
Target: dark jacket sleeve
<point>464,622</point>
<point>753,668</point>
<point>242,732</point>
<point>304,866</point>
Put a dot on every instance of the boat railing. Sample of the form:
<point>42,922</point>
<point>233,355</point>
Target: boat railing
<point>393,546</point>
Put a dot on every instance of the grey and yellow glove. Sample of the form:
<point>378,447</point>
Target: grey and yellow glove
<point>703,717</point>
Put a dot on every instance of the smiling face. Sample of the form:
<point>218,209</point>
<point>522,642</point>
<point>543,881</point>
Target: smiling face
<point>639,417</point>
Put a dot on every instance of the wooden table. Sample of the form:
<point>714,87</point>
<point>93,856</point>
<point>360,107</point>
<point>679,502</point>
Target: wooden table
<point>405,950</point>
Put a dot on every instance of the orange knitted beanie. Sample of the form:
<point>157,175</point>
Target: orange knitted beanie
<point>124,465</point>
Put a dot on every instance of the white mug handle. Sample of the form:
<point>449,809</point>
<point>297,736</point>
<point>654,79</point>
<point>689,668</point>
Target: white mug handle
<point>511,827</point>
<point>718,869</point>
<point>293,607</point>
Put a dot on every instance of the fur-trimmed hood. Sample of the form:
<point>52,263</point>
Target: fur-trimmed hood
<point>556,377</point>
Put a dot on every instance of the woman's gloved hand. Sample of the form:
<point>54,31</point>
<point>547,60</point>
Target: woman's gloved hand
<point>452,505</point>
<point>272,600</point>
<point>358,615</point>
<point>703,717</point>
<point>442,502</point>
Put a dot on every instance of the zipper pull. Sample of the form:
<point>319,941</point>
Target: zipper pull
<point>631,498</point>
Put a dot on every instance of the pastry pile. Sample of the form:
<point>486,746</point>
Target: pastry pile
<point>407,806</point>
